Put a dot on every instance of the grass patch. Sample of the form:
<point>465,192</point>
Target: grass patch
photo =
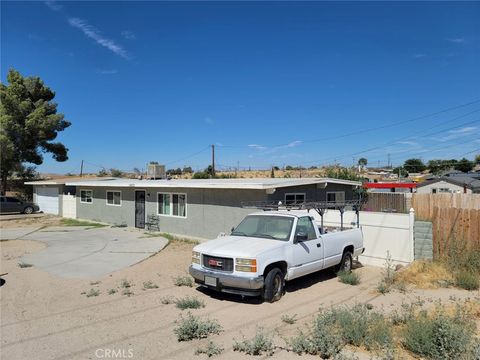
<point>189,302</point>
<point>92,292</point>
<point>467,280</point>
<point>24,265</point>
<point>261,343</point>
<point>439,335</point>
<point>426,274</point>
<point>183,281</point>
<point>289,319</point>
<point>211,349</point>
<point>149,285</point>
<point>112,291</point>
<point>75,222</point>
<point>176,239</point>
<point>348,277</point>
<point>192,327</point>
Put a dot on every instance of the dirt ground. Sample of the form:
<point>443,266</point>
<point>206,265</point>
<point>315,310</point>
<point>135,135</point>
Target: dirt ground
<point>46,317</point>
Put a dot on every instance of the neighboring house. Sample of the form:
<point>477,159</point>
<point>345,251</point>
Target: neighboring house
<point>200,208</point>
<point>450,184</point>
<point>400,187</point>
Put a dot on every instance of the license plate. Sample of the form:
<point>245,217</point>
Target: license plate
<point>211,281</point>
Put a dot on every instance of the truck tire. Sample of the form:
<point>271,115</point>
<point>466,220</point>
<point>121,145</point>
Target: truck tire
<point>274,284</point>
<point>28,210</point>
<point>346,263</point>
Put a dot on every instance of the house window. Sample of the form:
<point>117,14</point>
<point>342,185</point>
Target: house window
<point>114,198</point>
<point>336,196</point>
<point>86,196</point>
<point>172,204</point>
<point>294,198</point>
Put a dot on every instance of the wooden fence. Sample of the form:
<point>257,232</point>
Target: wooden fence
<point>455,219</point>
<point>386,202</point>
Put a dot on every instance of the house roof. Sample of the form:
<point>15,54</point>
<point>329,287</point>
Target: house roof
<point>63,181</point>
<point>255,184</point>
<point>467,181</point>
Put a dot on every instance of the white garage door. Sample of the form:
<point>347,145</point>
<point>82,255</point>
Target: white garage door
<point>47,199</point>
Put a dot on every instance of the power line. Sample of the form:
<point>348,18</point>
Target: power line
<point>362,131</point>
<point>189,156</point>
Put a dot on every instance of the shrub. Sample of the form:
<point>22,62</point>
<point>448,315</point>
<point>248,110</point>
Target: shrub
<point>149,285</point>
<point>112,291</point>
<point>183,281</point>
<point>383,288</point>
<point>125,284</point>
<point>193,327</point>
<point>348,277</point>
<point>93,292</point>
<point>388,276</point>
<point>127,292</point>
<point>24,265</point>
<point>189,302</point>
<point>438,336</point>
<point>93,283</point>
<point>289,319</point>
<point>467,280</point>
<point>324,338</point>
<point>259,344</point>
<point>210,350</point>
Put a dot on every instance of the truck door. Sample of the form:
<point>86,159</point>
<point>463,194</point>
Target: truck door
<point>307,253</point>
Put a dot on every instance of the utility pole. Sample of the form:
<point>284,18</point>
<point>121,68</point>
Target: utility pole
<point>81,169</point>
<point>213,160</point>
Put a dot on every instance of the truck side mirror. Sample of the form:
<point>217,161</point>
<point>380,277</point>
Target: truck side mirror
<point>232,229</point>
<point>301,236</point>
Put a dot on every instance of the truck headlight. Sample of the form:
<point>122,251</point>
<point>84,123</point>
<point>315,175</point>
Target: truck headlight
<point>196,257</point>
<point>246,265</point>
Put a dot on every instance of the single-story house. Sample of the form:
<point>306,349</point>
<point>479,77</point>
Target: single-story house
<point>457,184</point>
<point>400,187</point>
<point>200,208</point>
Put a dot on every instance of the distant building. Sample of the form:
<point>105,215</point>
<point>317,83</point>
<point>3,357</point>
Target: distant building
<point>401,187</point>
<point>458,183</point>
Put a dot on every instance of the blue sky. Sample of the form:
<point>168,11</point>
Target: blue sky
<point>270,83</point>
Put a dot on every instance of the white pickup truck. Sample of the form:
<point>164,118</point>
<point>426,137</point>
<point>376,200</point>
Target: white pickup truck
<point>268,248</point>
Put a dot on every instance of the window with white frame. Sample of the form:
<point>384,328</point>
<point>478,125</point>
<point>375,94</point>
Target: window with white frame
<point>336,196</point>
<point>172,204</point>
<point>114,198</point>
<point>294,198</point>
<point>86,196</point>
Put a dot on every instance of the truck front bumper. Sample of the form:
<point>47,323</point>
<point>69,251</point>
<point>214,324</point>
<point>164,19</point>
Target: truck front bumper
<point>228,283</point>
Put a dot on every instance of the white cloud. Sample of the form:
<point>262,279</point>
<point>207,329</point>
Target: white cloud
<point>257,147</point>
<point>107,71</point>
<point>53,5</point>
<point>293,144</point>
<point>93,33</point>
<point>418,56</point>
<point>458,133</point>
<point>457,40</point>
<point>128,34</point>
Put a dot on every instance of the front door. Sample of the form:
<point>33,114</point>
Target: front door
<point>140,209</point>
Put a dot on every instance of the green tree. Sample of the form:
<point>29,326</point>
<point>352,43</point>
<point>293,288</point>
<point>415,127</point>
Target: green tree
<point>102,173</point>
<point>187,170</point>
<point>400,171</point>
<point>341,173</point>
<point>414,166</point>
<point>116,173</point>
<point>29,124</point>
<point>272,172</point>
<point>438,166</point>
<point>464,165</point>
<point>477,159</point>
<point>362,162</point>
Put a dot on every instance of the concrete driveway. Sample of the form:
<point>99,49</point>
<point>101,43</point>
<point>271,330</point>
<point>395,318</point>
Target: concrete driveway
<point>82,252</point>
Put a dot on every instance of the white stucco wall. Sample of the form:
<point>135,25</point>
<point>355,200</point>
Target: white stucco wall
<point>427,189</point>
<point>382,232</point>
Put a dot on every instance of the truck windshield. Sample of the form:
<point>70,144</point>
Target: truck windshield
<point>269,227</point>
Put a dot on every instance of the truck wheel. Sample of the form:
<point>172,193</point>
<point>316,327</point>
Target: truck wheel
<point>274,283</point>
<point>346,263</point>
<point>28,210</point>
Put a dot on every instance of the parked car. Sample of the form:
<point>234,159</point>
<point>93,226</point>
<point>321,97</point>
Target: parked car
<point>271,247</point>
<point>10,204</point>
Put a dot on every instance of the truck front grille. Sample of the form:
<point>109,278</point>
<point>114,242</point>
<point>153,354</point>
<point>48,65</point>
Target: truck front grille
<point>218,263</point>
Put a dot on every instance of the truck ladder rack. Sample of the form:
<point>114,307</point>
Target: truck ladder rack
<point>319,206</point>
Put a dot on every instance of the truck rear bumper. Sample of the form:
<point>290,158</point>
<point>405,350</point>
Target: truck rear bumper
<point>228,283</point>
